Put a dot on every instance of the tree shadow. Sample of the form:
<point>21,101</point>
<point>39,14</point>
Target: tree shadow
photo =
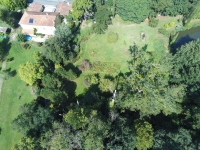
<point>73,68</point>
<point>6,47</point>
<point>0,130</point>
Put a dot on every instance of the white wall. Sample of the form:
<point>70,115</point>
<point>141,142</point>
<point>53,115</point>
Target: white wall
<point>47,30</point>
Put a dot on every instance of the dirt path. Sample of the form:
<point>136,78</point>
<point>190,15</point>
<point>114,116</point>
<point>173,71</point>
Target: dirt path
<point>1,75</point>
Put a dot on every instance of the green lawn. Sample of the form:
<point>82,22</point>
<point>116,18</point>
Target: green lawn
<point>96,48</point>
<point>9,99</point>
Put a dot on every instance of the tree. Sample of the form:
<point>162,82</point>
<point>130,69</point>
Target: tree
<point>121,136</point>
<point>31,72</point>
<point>79,117</point>
<point>63,32</point>
<point>33,119</point>
<point>133,10</point>
<point>58,50</point>
<point>144,134</point>
<point>27,143</point>
<point>95,134</point>
<point>102,19</point>
<point>187,67</point>
<point>80,7</point>
<point>177,140</point>
<point>147,87</point>
<point>62,136</point>
<point>106,85</point>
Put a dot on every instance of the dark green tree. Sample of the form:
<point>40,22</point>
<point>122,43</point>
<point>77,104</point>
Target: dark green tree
<point>133,10</point>
<point>102,20</point>
<point>34,119</point>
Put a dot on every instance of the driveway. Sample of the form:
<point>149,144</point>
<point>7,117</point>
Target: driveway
<point>51,2</point>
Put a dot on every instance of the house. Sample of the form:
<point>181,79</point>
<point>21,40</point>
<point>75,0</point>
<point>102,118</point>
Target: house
<point>43,18</point>
<point>63,8</point>
<point>43,22</point>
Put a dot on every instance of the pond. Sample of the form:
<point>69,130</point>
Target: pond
<point>187,36</point>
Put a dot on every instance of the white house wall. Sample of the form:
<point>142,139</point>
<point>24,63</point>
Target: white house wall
<point>40,29</point>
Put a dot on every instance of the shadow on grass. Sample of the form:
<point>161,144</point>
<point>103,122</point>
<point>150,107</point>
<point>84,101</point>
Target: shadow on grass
<point>6,48</point>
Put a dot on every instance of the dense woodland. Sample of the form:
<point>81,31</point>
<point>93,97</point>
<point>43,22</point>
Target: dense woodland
<point>155,105</point>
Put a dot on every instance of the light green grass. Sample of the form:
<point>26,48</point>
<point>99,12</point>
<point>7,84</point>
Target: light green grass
<point>9,99</point>
<point>97,48</point>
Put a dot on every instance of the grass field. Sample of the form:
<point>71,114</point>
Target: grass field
<point>97,48</point>
<point>9,99</point>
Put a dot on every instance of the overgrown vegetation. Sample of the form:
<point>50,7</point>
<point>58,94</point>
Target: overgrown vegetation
<point>136,94</point>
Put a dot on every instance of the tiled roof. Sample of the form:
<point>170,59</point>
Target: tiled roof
<point>63,8</point>
<point>35,7</point>
<point>38,18</point>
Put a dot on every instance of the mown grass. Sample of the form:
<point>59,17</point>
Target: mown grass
<point>97,48</point>
<point>12,89</point>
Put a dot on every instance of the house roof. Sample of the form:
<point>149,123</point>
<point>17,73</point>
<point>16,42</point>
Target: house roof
<point>37,7</point>
<point>38,18</point>
<point>63,8</point>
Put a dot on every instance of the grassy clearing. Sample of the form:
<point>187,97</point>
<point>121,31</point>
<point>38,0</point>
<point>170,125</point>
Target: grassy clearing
<point>9,99</point>
<point>97,48</point>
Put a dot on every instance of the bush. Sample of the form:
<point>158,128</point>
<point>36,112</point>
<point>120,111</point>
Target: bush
<point>84,66</point>
<point>153,22</point>
<point>163,31</point>
<point>27,46</point>
<point>9,59</point>
<point>112,37</point>
<point>171,24</point>
<point>20,37</point>
<point>166,26</point>
<point>91,79</point>
<point>39,44</point>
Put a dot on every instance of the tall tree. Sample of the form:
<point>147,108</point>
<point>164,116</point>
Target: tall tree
<point>31,72</point>
<point>147,88</point>
<point>144,134</point>
<point>133,10</point>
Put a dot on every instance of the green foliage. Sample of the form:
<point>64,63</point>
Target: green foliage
<point>147,76</point>
<point>144,134</point>
<point>33,119</point>
<point>27,46</point>
<point>121,136</point>
<point>133,10</point>
<point>153,22</point>
<point>26,143</point>
<point>58,50</point>
<point>171,24</point>
<point>97,131</point>
<point>62,137</point>
<point>63,32</point>
<point>112,37</point>
<point>13,4</point>
<point>20,37</point>
<point>102,20</point>
<point>91,79</point>
<point>106,85</point>
<point>163,31</point>
<point>31,72</point>
<point>107,67</point>
<point>166,25</point>
<point>79,117</point>
<point>70,74</point>
<point>186,66</point>
<point>176,140</point>
<point>80,7</point>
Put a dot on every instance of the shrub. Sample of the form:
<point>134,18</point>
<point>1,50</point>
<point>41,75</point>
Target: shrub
<point>20,37</point>
<point>9,59</point>
<point>39,44</point>
<point>85,65</point>
<point>163,31</point>
<point>112,37</point>
<point>171,24</point>
<point>27,46</point>
<point>91,79</point>
<point>166,26</point>
<point>153,22</point>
